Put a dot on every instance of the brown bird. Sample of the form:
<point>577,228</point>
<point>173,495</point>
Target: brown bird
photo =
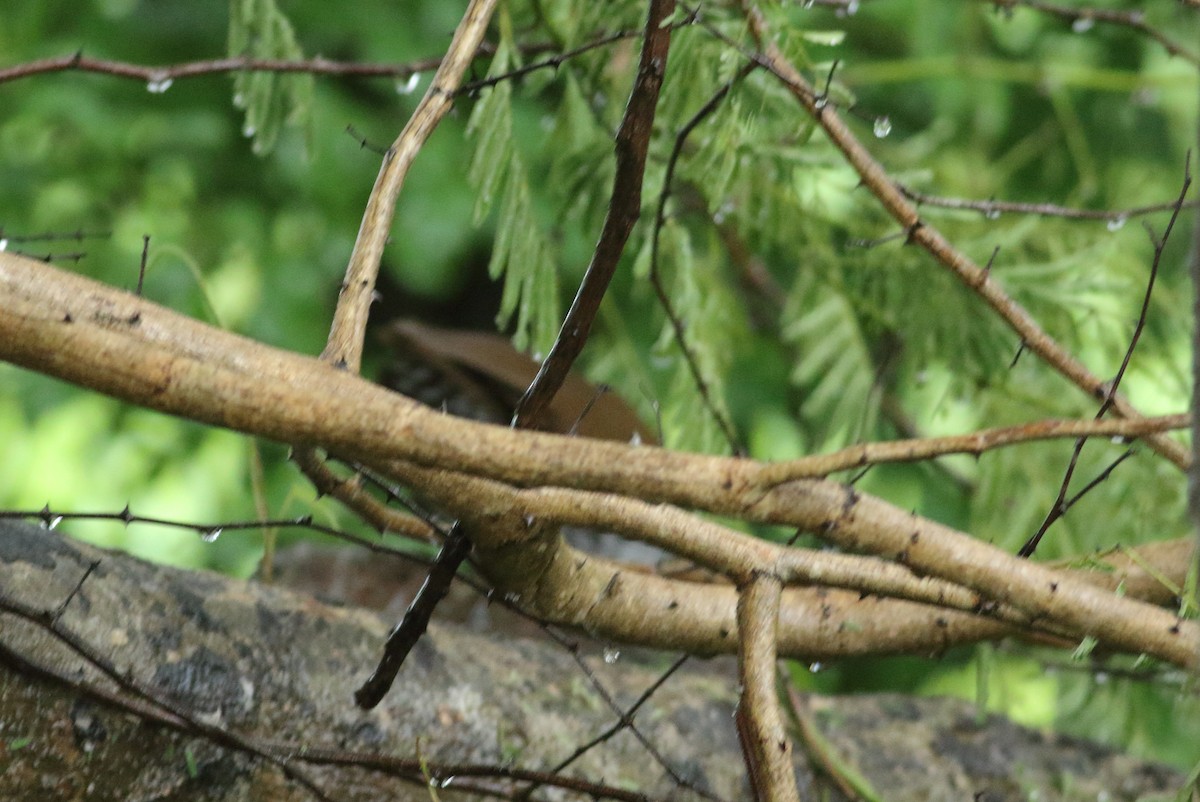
<point>480,375</point>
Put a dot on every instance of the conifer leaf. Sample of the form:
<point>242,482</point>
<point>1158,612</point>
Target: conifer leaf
<point>833,362</point>
<point>258,29</point>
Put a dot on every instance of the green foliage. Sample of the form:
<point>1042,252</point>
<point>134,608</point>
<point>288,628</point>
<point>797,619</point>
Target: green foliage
<point>259,30</point>
<point>852,335</point>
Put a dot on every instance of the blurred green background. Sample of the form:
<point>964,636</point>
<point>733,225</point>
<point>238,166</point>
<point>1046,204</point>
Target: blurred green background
<point>848,343</point>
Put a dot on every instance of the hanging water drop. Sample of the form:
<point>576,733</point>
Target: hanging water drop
<point>1082,24</point>
<point>848,10</point>
<point>883,126</point>
<point>159,83</point>
<point>211,535</point>
<point>612,655</point>
<point>249,130</point>
<point>992,213</point>
<point>814,667</point>
<point>409,86</point>
<point>1116,223</point>
<point>446,782</point>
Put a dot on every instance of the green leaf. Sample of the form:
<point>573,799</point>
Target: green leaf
<point>259,30</point>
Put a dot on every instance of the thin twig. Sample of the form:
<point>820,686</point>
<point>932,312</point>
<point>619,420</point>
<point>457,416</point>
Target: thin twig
<point>78,62</point>
<point>990,208</point>
<point>664,299</point>
<point>1082,18</point>
<point>1060,507</point>
<point>976,443</point>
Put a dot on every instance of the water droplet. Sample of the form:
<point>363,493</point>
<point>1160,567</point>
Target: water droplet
<point>883,126</point>
<point>815,667</point>
<point>992,213</point>
<point>528,519</point>
<point>1101,677</point>
<point>848,10</point>
<point>1116,223</point>
<point>249,130</point>
<point>636,440</point>
<point>446,782</point>
<point>612,655</point>
<point>512,598</point>
<point>53,523</point>
<point>408,86</point>
<point>820,103</point>
<point>159,83</point>
<point>211,535</point>
<point>1082,24</point>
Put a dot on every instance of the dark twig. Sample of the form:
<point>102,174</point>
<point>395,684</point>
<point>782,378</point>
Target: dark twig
<point>1060,506</point>
<point>625,718</point>
<point>990,208</point>
<point>1082,18</point>
<point>552,62</point>
<point>51,519</point>
<point>162,75</point>
<point>660,219</point>
<point>142,265</point>
<point>632,144</point>
<point>416,619</point>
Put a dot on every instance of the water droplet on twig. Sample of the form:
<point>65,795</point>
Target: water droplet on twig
<point>1082,24</point>
<point>407,87</point>
<point>612,655</point>
<point>1116,223</point>
<point>883,126</point>
<point>210,535</point>
<point>159,83</point>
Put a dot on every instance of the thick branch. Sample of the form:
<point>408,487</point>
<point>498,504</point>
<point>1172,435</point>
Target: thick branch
<point>760,726</point>
<point>73,328</point>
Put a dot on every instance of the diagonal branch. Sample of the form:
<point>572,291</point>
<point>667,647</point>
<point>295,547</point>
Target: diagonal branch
<point>350,320</point>
<point>976,278</point>
<point>624,208</point>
